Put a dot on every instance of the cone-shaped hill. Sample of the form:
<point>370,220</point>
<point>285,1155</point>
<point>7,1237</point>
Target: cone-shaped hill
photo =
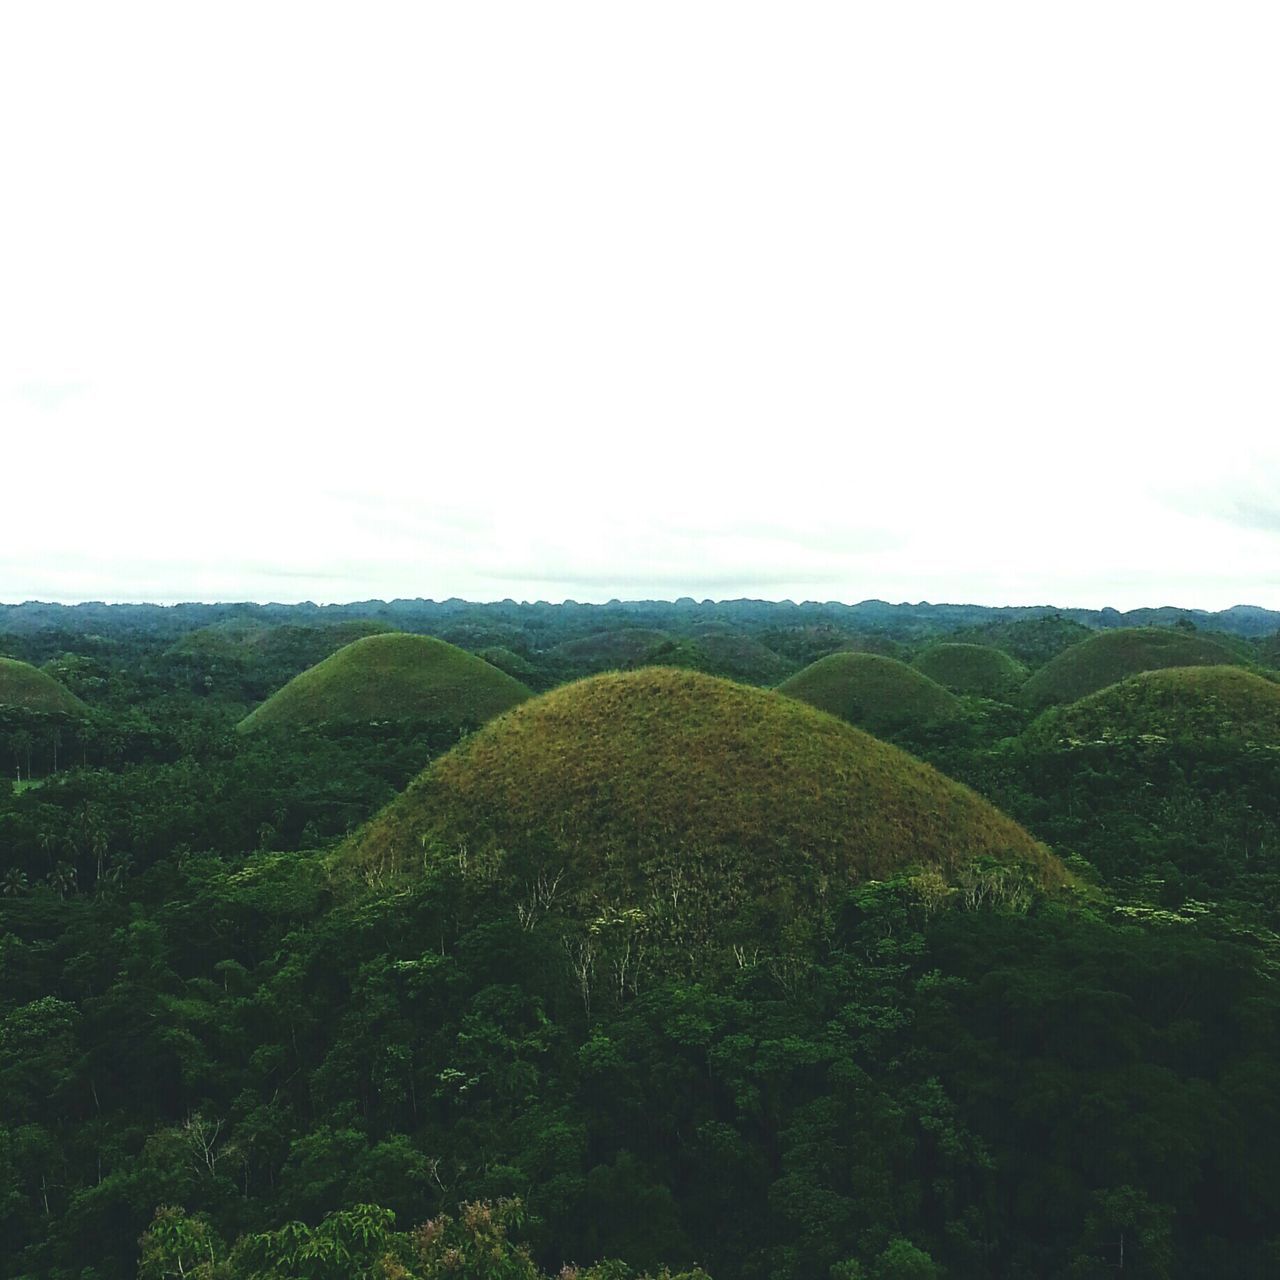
<point>1109,656</point>
<point>27,688</point>
<point>972,668</point>
<point>390,677</point>
<point>1176,702</point>
<point>687,798</point>
<point>604,649</point>
<point>875,693</point>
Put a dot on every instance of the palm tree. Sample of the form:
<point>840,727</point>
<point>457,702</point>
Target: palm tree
<point>14,883</point>
<point>63,879</point>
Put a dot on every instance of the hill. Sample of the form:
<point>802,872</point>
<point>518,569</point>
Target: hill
<point>391,677</point>
<point>876,693</point>
<point>251,639</point>
<point>972,668</point>
<point>1176,702</point>
<point>708,807</point>
<point>1109,656</point>
<point>609,649</point>
<point>25,688</point>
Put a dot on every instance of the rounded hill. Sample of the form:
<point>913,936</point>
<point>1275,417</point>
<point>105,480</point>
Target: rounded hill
<point>623,647</point>
<point>972,668</point>
<point>686,798</point>
<point>1175,702</point>
<point>1108,656</point>
<point>396,677</point>
<point>876,693</point>
<point>27,688</point>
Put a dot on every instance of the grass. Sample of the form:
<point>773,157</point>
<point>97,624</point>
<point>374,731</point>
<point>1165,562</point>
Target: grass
<point>666,791</point>
<point>972,668</point>
<point>1109,656</point>
<point>1176,702</point>
<point>876,693</point>
<point>27,688</point>
<point>387,678</point>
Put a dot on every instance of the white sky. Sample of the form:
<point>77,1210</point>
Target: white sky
<point>968,302</point>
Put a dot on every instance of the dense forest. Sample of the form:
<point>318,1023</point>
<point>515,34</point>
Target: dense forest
<point>232,1046</point>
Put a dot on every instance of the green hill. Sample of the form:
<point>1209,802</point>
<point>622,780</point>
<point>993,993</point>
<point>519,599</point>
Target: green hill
<point>508,660</point>
<point>711,808</point>
<point>387,678</point>
<point>609,649</point>
<point>1109,656</point>
<point>1176,702</point>
<point>27,688</point>
<point>972,668</point>
<point>876,693</point>
<point>250,640</point>
<point>723,650</point>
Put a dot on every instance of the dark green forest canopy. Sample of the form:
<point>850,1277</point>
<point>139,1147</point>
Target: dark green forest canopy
<point>218,1058</point>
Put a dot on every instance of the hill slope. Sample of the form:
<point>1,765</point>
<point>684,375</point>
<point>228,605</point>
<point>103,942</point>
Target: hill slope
<point>27,688</point>
<point>876,693</point>
<point>694,800</point>
<point>1109,656</point>
<point>1176,702</point>
<point>391,677</point>
<point>972,668</point>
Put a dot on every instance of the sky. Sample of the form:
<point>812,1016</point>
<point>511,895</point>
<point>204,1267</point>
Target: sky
<point>931,301</point>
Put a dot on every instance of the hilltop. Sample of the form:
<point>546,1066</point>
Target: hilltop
<point>606,649</point>
<point>876,693</point>
<point>1109,656</point>
<point>972,668</point>
<point>391,677</point>
<point>1176,702</point>
<point>707,806</point>
<point>27,688</point>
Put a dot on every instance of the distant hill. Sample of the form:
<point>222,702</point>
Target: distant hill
<point>972,668</point>
<point>27,688</point>
<point>876,693</point>
<point>715,811</point>
<point>1109,656</point>
<point>248,640</point>
<point>1175,702</point>
<point>509,661</point>
<point>389,678</point>
<point>606,650</point>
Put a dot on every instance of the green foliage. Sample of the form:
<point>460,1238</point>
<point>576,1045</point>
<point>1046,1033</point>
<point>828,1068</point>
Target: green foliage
<point>388,678</point>
<point>877,694</point>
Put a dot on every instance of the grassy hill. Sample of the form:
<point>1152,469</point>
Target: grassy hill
<point>391,677</point>
<point>972,668</point>
<point>876,693</point>
<point>508,660</point>
<point>1109,656</point>
<point>604,650</point>
<point>1176,702</point>
<point>27,688</point>
<point>250,640</point>
<point>708,807</point>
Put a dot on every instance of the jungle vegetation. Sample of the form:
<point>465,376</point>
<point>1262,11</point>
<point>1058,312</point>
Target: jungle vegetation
<point>630,998</point>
